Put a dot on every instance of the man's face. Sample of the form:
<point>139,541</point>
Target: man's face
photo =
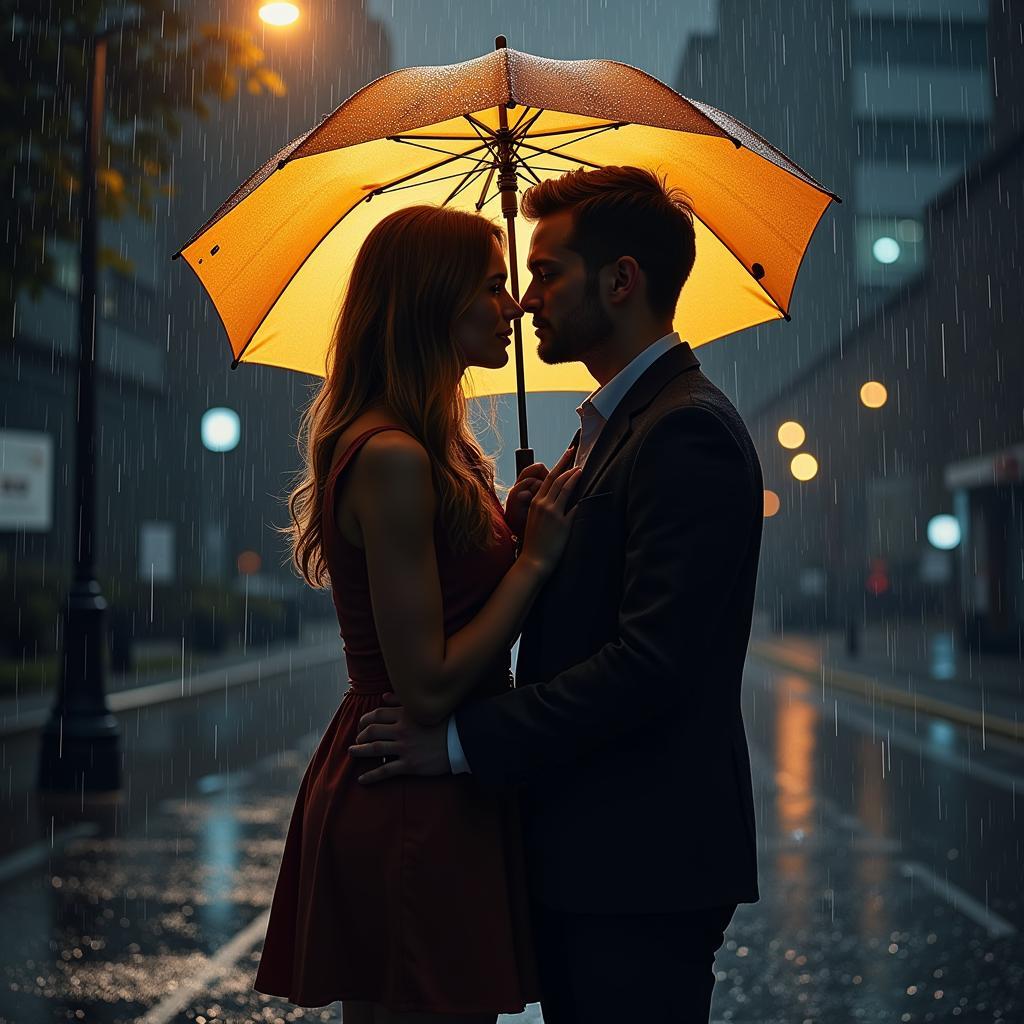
<point>566,308</point>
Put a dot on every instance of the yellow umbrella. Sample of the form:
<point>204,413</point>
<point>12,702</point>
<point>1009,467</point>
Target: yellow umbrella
<point>276,257</point>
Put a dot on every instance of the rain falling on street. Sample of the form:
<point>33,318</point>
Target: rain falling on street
<point>195,201</point>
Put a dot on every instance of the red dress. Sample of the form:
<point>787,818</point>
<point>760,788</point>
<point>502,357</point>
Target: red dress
<point>409,893</point>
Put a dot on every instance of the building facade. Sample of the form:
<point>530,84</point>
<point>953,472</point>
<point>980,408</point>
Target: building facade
<point>885,102</point>
<point>173,516</point>
<point>945,442</point>
<point>926,119</point>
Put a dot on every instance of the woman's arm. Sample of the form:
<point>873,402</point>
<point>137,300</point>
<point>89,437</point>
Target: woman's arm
<point>393,499</point>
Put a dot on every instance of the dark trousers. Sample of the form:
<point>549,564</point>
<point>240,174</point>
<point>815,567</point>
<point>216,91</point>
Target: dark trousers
<point>619,968</point>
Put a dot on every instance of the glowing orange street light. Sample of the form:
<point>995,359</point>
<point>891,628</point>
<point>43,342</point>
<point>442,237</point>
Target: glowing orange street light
<point>791,434</point>
<point>279,13</point>
<point>771,503</point>
<point>873,394</point>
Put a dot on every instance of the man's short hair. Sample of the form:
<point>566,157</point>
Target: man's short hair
<point>624,211</point>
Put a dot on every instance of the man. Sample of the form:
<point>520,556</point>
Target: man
<point>625,722</point>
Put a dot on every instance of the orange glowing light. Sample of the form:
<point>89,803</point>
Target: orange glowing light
<point>873,394</point>
<point>279,13</point>
<point>249,563</point>
<point>804,466</point>
<point>791,434</point>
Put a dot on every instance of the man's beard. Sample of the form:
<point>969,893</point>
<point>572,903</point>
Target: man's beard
<point>586,327</point>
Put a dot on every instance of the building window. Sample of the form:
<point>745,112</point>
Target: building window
<point>932,44</point>
<point>914,142</point>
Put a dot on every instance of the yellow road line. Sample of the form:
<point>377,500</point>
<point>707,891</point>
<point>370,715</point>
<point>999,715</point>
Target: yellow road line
<point>870,688</point>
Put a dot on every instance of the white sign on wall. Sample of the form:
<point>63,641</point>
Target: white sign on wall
<point>26,480</point>
<point>156,552</point>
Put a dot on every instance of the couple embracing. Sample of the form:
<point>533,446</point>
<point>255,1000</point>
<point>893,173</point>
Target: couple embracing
<point>460,847</point>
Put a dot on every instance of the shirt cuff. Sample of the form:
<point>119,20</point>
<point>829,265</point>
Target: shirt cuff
<point>456,755</point>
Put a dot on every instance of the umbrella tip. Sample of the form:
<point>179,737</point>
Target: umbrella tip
<point>500,43</point>
<point>175,255</point>
<point>234,363</point>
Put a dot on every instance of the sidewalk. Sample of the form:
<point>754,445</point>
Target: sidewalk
<point>908,665</point>
<point>183,667</point>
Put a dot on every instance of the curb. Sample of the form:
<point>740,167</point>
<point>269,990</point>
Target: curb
<point>184,688</point>
<point>870,688</point>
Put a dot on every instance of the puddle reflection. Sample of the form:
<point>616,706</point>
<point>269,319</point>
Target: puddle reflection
<point>795,744</point>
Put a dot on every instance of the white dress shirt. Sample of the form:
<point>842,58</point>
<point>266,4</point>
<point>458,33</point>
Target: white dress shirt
<point>594,413</point>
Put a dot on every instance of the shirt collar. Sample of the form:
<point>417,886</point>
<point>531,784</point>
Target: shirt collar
<point>606,399</point>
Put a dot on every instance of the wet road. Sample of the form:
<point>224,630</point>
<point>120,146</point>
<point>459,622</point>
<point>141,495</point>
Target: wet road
<point>180,747</point>
<point>890,861</point>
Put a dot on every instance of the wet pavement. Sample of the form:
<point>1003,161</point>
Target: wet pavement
<point>890,863</point>
<point>917,662</point>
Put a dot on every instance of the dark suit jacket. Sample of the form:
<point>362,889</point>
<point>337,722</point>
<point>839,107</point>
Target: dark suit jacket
<point>625,721</point>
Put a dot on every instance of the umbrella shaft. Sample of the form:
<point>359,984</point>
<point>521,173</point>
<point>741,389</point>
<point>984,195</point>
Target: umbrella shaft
<point>517,332</point>
<point>509,208</point>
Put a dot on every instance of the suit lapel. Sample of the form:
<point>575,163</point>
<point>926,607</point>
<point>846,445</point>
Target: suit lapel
<point>614,433</point>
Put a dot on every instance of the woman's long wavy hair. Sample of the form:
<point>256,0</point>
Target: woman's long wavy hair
<point>416,272</point>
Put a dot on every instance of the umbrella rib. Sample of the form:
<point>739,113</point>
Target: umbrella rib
<point>493,195</point>
<point>433,138</point>
<point>486,142</point>
<point>416,184</point>
<point>582,138</point>
<point>536,135</point>
<point>526,167</point>
<point>526,110</point>
<point>526,129</point>
<point>468,155</point>
<point>487,185</point>
<point>561,156</point>
<point>553,170</point>
<point>432,149</point>
<point>479,124</point>
<point>547,134</point>
<point>470,177</point>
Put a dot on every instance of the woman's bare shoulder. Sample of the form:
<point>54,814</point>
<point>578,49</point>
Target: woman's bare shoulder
<point>395,456</point>
<point>390,474</point>
<point>369,420</point>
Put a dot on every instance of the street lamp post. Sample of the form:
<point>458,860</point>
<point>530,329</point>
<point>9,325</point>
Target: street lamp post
<point>81,741</point>
<point>80,748</point>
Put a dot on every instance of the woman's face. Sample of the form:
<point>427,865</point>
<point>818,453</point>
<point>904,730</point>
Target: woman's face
<point>483,333</point>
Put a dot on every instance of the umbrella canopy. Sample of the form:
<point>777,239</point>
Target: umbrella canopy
<point>276,257</point>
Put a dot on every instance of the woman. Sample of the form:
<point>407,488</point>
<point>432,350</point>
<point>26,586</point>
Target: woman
<point>406,901</point>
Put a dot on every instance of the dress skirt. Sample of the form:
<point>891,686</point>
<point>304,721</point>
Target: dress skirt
<point>409,893</point>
